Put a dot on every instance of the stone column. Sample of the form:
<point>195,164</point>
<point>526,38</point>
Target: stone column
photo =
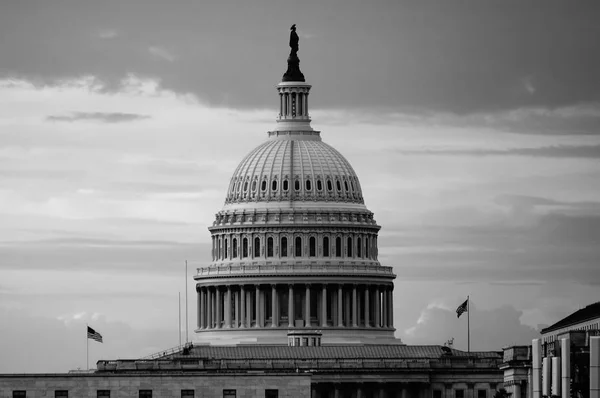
<point>218,307</point>
<point>536,360</point>
<point>391,307</point>
<point>594,366</point>
<point>257,305</point>
<point>208,308</point>
<point>354,307</point>
<point>359,391</point>
<point>274,312</point>
<point>384,308</point>
<point>227,307</point>
<point>367,305</point>
<point>200,311</point>
<point>348,306</point>
<point>307,307</point>
<point>243,311</point>
<point>565,354</point>
<point>377,307</point>
<point>336,390</point>
<point>340,297</point>
<point>236,298</point>
<point>249,309</point>
<point>291,316</point>
<point>324,306</point>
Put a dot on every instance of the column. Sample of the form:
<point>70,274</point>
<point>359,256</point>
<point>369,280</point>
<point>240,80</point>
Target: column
<point>391,307</point>
<point>594,366</point>
<point>354,307</point>
<point>274,312</point>
<point>336,390</point>
<point>546,376</point>
<point>236,298</point>
<point>218,307</point>
<point>200,309</point>
<point>257,305</point>
<point>227,308</point>
<point>243,311</point>
<point>377,307</point>
<point>384,307</point>
<point>324,306</point>
<point>208,308</point>
<point>367,304</point>
<point>556,379</point>
<point>348,307</point>
<point>565,354</point>
<point>280,104</point>
<point>306,104</point>
<point>249,309</point>
<point>359,391</point>
<point>307,307</point>
<point>536,358</point>
<point>339,304</point>
<point>291,321</point>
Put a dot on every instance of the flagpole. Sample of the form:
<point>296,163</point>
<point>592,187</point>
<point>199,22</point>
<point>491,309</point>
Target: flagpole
<point>186,304</point>
<point>179,303</point>
<point>87,348</point>
<point>468,325</point>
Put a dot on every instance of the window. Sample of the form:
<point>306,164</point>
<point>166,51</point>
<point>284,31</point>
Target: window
<point>329,186</point>
<point>271,393</point>
<point>298,247</point>
<point>338,185</point>
<point>187,393</point>
<point>367,247</point>
<point>346,186</point>
<point>19,394</point>
<point>285,185</point>
<point>284,247</point>
<point>234,248</point>
<point>483,394</point>
<point>274,185</point>
<point>103,393</point>
<point>459,393</point>
<point>308,185</point>
<point>358,247</point>
<point>326,246</point>
<point>349,245</point>
<point>61,393</point>
<point>338,247</point>
<point>319,185</point>
<point>254,185</point>
<point>297,185</point>
<point>352,184</point>
<point>229,394</point>
<point>145,394</point>
<point>226,254</point>
<point>263,186</point>
<point>246,186</point>
<point>245,247</point>
<point>312,246</point>
<point>269,247</point>
<point>257,247</point>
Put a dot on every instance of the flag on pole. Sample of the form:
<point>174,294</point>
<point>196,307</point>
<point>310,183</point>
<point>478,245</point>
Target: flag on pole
<point>92,334</point>
<point>464,307</point>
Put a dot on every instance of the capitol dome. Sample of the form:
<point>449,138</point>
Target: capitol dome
<point>294,248</point>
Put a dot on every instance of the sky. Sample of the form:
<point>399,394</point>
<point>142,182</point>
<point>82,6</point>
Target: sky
<point>474,128</point>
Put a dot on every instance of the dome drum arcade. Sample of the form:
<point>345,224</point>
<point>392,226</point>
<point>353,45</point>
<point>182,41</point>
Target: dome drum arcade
<point>294,247</point>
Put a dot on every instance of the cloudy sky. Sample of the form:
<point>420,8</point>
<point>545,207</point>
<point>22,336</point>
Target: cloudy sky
<point>474,128</point>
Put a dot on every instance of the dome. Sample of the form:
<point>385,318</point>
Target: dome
<point>294,167</point>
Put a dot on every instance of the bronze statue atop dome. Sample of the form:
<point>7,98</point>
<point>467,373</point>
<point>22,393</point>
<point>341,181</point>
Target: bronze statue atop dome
<point>293,73</point>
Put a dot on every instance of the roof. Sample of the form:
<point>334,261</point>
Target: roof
<point>590,312</point>
<point>333,352</point>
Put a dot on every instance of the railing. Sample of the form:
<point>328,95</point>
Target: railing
<point>295,268</point>
<point>163,353</point>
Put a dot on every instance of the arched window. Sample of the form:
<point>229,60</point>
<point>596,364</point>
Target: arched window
<point>352,184</point>
<point>346,186</point>
<point>298,247</point>
<point>319,185</point>
<point>297,185</point>
<point>312,246</point>
<point>308,185</point>
<point>349,245</point>
<point>358,247</point>
<point>246,186</point>
<point>218,248</point>
<point>326,246</point>
<point>283,247</point>
<point>338,247</point>
<point>253,185</point>
<point>244,247</point>
<point>367,247</point>
<point>274,185</point>
<point>285,185</point>
<point>234,247</point>
<point>338,185</point>
<point>263,186</point>
<point>225,253</point>
<point>257,247</point>
<point>329,186</point>
<point>269,247</point>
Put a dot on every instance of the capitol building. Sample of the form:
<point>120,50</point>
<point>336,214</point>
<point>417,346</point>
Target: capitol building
<point>294,302</point>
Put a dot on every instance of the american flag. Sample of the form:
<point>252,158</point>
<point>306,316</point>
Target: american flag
<point>92,334</point>
<point>464,307</point>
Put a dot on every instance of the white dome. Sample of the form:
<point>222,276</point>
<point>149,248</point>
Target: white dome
<point>294,167</point>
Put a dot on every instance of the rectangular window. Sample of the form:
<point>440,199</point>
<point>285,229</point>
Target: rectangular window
<point>103,393</point>
<point>271,393</point>
<point>19,394</point>
<point>483,394</point>
<point>145,393</point>
<point>459,393</point>
<point>437,393</point>
<point>61,393</point>
<point>187,393</point>
<point>229,394</point>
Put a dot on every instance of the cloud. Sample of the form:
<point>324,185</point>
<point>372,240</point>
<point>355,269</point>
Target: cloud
<point>107,34</point>
<point>161,52</point>
<point>558,151</point>
<point>106,117</point>
<point>490,329</point>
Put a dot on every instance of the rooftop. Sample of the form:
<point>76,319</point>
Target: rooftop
<point>590,312</point>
